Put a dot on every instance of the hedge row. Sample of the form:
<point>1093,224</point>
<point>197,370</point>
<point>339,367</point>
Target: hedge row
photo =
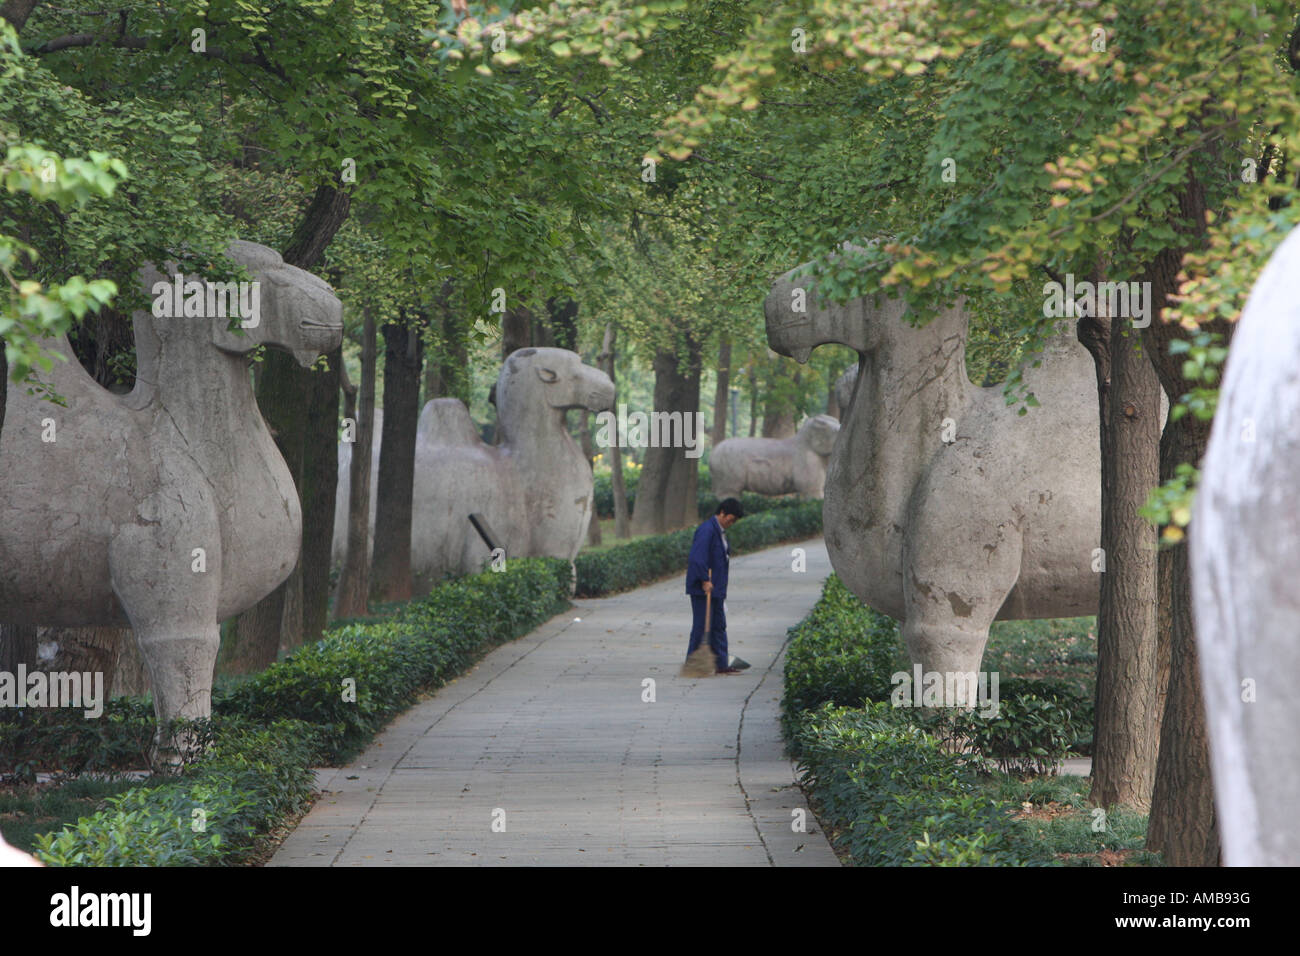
<point>251,779</point>
<point>318,706</point>
<point>901,784</point>
<point>639,562</point>
<point>897,797</point>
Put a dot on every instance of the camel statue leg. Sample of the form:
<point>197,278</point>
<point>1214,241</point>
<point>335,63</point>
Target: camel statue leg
<point>172,608</point>
<point>951,602</point>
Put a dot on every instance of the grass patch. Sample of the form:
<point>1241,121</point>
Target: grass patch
<point>30,809</point>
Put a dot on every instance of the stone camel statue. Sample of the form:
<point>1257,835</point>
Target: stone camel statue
<point>944,508</point>
<point>1245,561</point>
<point>775,466</point>
<point>169,509</point>
<point>534,488</point>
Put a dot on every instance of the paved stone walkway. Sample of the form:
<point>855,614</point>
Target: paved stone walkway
<point>550,738</point>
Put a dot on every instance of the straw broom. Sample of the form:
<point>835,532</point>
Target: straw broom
<point>701,662</point>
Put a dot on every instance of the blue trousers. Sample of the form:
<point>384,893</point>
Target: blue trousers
<point>717,629</point>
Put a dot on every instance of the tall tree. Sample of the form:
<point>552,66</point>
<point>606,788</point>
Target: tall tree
<point>403,360</point>
<point>605,361</point>
<point>354,580</point>
<point>666,491</point>
<point>720,392</point>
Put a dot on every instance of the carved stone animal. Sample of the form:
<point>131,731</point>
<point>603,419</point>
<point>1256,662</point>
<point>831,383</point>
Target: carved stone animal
<point>168,509</point>
<point>775,466</point>
<point>944,508</point>
<point>1245,563</point>
<point>534,488</point>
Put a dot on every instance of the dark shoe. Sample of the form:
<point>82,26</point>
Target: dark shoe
<point>728,670</point>
<point>738,663</point>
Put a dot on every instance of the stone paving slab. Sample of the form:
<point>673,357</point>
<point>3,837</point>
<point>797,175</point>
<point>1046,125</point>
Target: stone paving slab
<point>550,737</point>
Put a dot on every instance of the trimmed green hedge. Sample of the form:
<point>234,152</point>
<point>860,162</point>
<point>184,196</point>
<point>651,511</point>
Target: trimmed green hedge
<point>897,797</point>
<point>896,782</point>
<point>269,731</point>
<point>842,653</point>
<point>251,779</point>
<point>649,559</point>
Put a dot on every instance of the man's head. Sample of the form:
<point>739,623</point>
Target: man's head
<point>729,512</point>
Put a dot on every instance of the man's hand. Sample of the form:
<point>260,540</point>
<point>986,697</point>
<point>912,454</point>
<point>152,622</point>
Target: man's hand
<point>708,587</point>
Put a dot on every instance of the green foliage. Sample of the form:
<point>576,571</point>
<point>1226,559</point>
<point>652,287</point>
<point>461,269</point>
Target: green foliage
<point>62,741</point>
<point>897,797</point>
<point>31,810</point>
<point>32,309</point>
<point>603,497</point>
<point>252,778</point>
<point>1034,729</point>
<point>912,786</point>
<point>649,559</point>
<point>842,653</point>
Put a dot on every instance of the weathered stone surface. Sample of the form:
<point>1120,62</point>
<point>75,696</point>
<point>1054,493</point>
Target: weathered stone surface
<point>535,488</point>
<point>944,508</point>
<point>101,526</point>
<point>844,390</point>
<point>776,466</point>
<point>1245,562</point>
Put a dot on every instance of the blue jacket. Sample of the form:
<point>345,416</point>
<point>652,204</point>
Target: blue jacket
<point>708,551</point>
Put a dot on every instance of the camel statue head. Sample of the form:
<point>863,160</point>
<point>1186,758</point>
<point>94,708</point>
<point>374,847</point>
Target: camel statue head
<point>282,306</point>
<point>553,378</point>
<point>797,322</point>
<point>298,311</point>
<point>818,434</point>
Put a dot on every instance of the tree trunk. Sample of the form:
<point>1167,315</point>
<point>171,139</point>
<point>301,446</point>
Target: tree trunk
<point>1124,747</point>
<point>753,399</point>
<point>4,385</point>
<point>86,649</point>
<point>283,388</point>
<point>17,12</point>
<point>320,475</point>
<point>390,578</point>
<point>17,646</point>
<point>563,323</point>
<point>516,331</point>
<point>1182,823</point>
<point>354,581</point>
<point>666,495</point>
<point>720,393</point>
<point>779,411</point>
<point>446,373</point>
<point>605,361</point>
<point>130,676</point>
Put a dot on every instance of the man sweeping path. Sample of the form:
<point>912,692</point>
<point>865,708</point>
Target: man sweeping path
<point>706,582</point>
